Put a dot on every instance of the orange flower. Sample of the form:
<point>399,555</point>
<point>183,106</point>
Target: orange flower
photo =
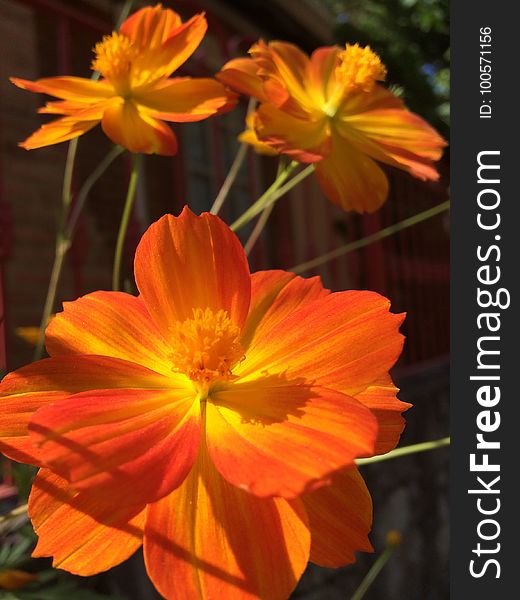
<point>14,579</point>
<point>329,109</point>
<point>215,418</point>
<point>135,95</point>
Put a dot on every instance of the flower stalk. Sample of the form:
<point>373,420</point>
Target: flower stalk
<point>66,229</point>
<point>276,190</point>
<point>370,239</point>
<point>392,543</point>
<point>405,450</point>
<point>125,218</point>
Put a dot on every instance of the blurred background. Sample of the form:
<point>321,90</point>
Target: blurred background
<point>40,38</point>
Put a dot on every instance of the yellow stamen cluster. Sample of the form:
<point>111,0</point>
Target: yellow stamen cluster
<point>114,56</point>
<point>206,347</point>
<point>360,68</point>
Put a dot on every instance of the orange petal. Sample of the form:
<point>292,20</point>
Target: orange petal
<point>209,539</point>
<point>378,98</point>
<point>163,50</point>
<point>397,137</point>
<point>320,74</point>
<point>382,400</point>
<point>118,325</point>
<point>184,100</point>
<point>189,262</point>
<point>241,74</point>
<point>304,140</point>
<point>283,67</point>
<point>351,179</point>
<point>273,437</point>
<point>69,88</point>
<point>26,390</point>
<point>83,532</point>
<point>78,110</point>
<point>275,295</point>
<point>133,445</point>
<point>340,518</point>
<point>345,341</point>
<point>399,128</point>
<point>56,132</point>
<point>136,131</point>
<point>151,26</point>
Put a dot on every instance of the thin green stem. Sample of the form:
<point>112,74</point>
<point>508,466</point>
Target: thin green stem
<point>123,15</point>
<point>265,198</point>
<point>125,218</point>
<point>258,228</point>
<point>290,184</point>
<point>66,195</point>
<point>230,179</point>
<point>265,214</point>
<point>370,239</point>
<point>371,576</point>
<point>64,239</point>
<point>234,170</point>
<point>83,193</point>
<point>405,450</point>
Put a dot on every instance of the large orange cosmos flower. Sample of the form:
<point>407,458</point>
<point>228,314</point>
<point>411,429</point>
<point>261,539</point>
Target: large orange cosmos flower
<point>329,109</point>
<point>216,417</point>
<point>135,95</point>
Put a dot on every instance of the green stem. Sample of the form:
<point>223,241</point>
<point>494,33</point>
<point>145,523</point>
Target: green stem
<point>290,184</point>
<point>234,169</point>
<point>123,15</point>
<point>66,195</point>
<point>61,251</point>
<point>405,450</point>
<point>258,228</point>
<point>371,576</point>
<point>66,232</point>
<point>127,211</point>
<point>264,216</point>
<point>370,239</point>
<point>230,179</point>
<point>86,187</point>
<point>264,199</point>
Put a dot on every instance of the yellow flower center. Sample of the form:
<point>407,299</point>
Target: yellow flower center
<point>206,347</point>
<point>360,68</point>
<point>114,56</point>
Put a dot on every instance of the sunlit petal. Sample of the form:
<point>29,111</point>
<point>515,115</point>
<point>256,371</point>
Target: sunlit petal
<point>24,391</point>
<point>83,532</point>
<point>273,437</point>
<point>209,539</point>
<point>340,518</point>
<point>110,439</point>
<point>125,125</point>
<point>120,326</point>
<point>190,262</point>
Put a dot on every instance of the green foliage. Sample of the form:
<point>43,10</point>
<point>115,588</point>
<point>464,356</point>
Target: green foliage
<point>412,38</point>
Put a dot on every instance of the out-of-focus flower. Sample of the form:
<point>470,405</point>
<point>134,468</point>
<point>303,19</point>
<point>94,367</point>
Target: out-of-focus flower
<point>329,109</point>
<point>14,579</point>
<point>29,333</point>
<point>215,418</point>
<point>135,95</point>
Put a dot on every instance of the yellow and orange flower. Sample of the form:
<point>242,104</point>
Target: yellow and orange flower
<point>329,109</point>
<point>136,94</point>
<point>215,419</point>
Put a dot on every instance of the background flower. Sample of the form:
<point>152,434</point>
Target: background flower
<point>329,109</point>
<point>135,94</point>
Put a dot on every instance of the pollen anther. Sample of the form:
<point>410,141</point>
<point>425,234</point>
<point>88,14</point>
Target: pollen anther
<point>114,56</point>
<point>206,347</point>
<point>360,68</point>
